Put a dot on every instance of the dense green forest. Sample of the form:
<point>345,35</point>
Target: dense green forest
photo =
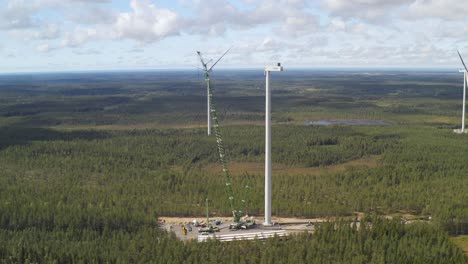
<point>381,241</point>
<point>88,162</point>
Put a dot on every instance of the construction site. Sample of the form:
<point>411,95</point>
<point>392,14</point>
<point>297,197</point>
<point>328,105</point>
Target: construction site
<point>220,228</point>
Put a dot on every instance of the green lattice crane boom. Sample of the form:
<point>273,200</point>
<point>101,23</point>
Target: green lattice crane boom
<point>236,213</point>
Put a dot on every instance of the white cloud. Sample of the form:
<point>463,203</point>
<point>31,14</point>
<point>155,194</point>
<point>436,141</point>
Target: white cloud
<point>291,16</point>
<point>90,21</point>
<point>22,14</point>
<point>432,20</point>
<point>318,31</point>
<point>52,3</point>
<point>455,31</point>
<point>369,10</point>
<point>264,45</point>
<point>78,37</point>
<point>215,17</point>
<point>443,9</point>
<point>147,22</point>
<point>43,32</point>
<point>45,48</point>
<point>298,23</point>
<point>90,15</point>
<point>50,31</point>
<point>337,24</point>
<point>18,14</point>
<point>268,44</point>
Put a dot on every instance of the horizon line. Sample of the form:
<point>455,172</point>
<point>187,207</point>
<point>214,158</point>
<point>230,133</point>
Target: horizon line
<point>175,69</point>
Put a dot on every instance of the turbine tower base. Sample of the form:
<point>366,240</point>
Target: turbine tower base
<point>459,131</point>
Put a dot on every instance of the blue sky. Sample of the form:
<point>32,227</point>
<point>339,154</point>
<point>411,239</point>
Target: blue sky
<point>69,35</point>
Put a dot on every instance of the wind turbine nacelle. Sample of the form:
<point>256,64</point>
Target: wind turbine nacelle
<point>274,68</point>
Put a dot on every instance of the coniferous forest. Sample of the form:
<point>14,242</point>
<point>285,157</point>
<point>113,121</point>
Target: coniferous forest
<point>88,161</point>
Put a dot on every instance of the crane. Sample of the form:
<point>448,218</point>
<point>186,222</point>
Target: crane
<point>236,213</point>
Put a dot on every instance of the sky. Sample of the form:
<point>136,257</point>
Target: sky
<point>88,35</point>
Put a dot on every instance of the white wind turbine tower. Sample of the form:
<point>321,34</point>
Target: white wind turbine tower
<point>465,77</point>
<point>207,80</point>
<point>268,69</point>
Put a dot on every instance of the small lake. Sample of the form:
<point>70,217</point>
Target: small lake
<point>348,122</point>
